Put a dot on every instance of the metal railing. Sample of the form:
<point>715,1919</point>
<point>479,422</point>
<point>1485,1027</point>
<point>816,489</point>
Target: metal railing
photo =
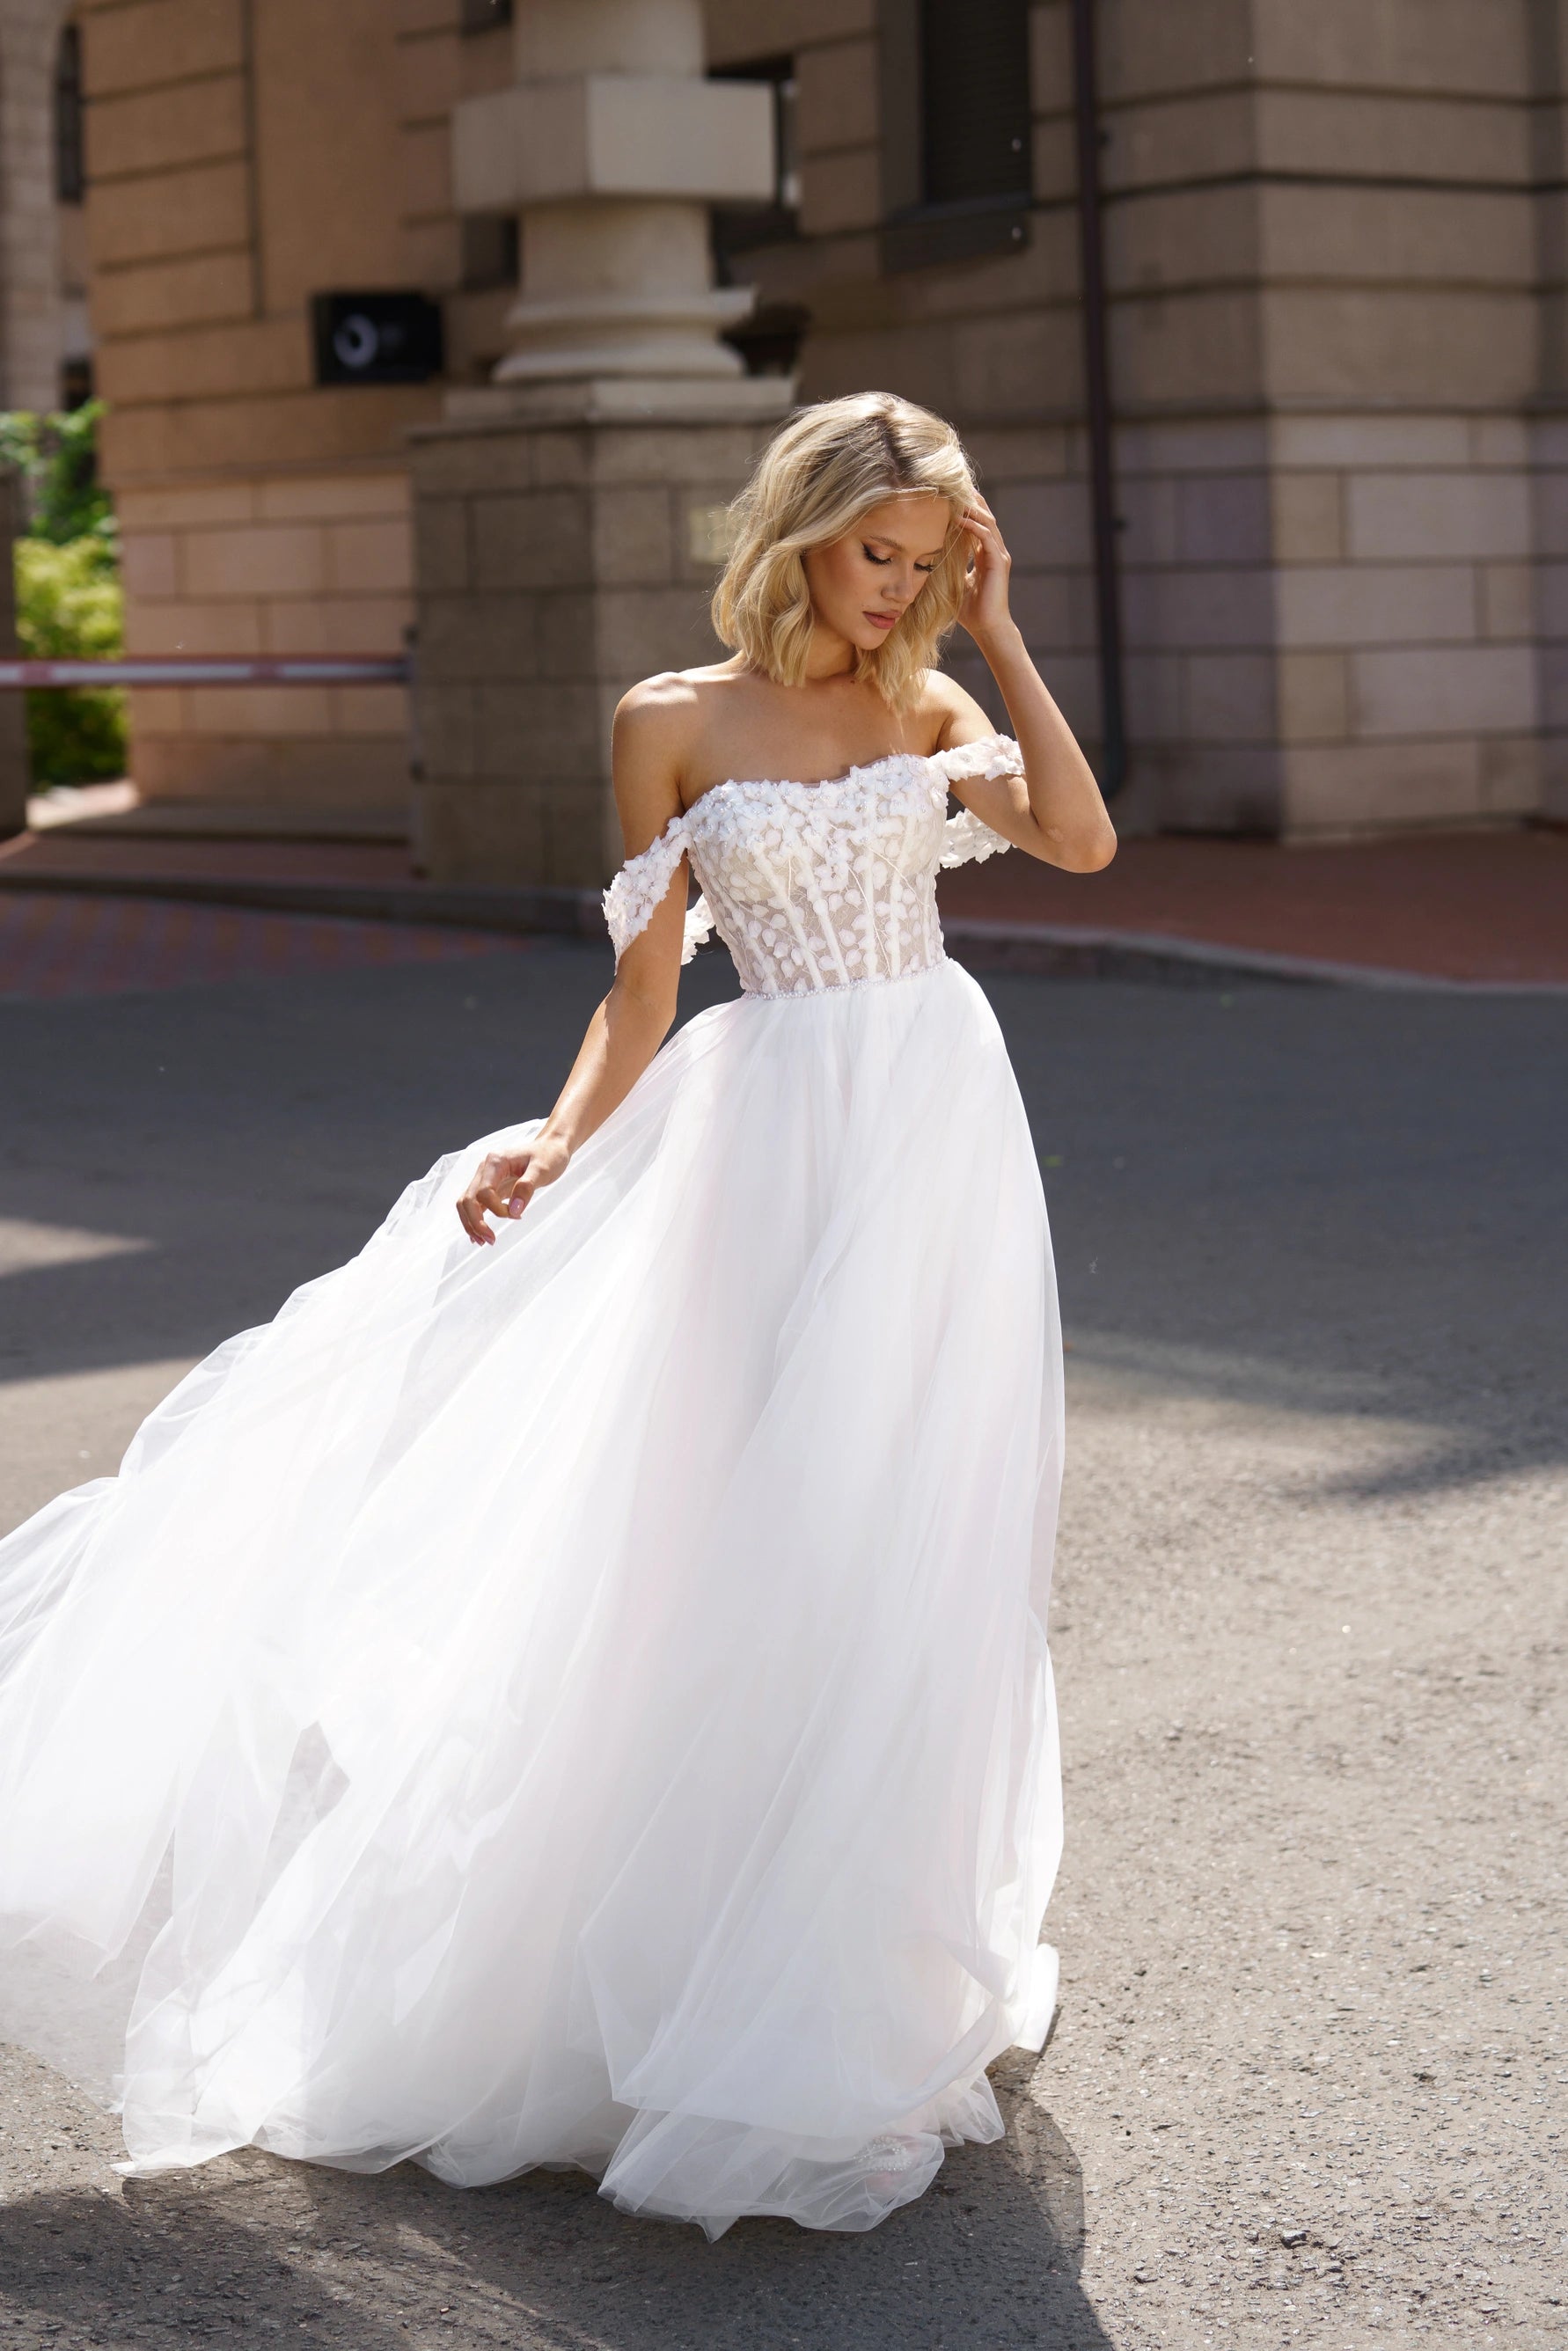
<point>215,669</point>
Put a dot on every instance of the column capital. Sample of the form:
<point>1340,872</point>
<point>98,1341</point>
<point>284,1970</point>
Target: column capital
<point>609,146</point>
<point>605,134</point>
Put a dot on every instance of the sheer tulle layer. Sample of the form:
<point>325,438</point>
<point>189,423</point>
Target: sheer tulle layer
<point>585,1701</point>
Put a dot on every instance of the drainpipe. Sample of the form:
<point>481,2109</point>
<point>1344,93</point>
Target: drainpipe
<point>1097,390</point>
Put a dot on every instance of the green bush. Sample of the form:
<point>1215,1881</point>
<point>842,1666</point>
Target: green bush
<point>69,608</point>
<point>57,457</point>
<point>68,601</point>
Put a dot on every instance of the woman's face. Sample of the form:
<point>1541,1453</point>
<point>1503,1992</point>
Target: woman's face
<point>861,583</point>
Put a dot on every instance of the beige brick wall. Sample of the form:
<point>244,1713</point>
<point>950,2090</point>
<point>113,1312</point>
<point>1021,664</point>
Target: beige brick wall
<point>30,313</point>
<point>1387,157</point>
<point>1338,255</point>
<point>232,178</point>
<point>277,563</point>
<point>1405,595</point>
<point>1545,584</point>
<point>1345,540</point>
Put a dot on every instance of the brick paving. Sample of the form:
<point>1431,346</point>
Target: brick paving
<point>55,946</point>
<point>1487,908</point>
<point>1309,1629</point>
<point>66,856</point>
<point>1477,906</point>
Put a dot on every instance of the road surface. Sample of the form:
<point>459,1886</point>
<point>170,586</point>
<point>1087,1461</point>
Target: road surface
<point>1307,2083</point>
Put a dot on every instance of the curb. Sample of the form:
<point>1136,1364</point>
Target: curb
<point>1037,950</point>
<point>1060,950</point>
<point>575,912</point>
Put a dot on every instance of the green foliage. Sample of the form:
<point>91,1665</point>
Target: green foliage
<point>68,601</point>
<point>57,457</point>
<point>69,606</point>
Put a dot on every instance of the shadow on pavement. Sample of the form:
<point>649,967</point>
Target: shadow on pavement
<point>989,2257</point>
<point>1330,1201</point>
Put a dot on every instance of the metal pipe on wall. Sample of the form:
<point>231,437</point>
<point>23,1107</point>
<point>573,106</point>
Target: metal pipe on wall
<point>1097,400</point>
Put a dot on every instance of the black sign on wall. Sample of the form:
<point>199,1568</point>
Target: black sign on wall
<point>376,337</point>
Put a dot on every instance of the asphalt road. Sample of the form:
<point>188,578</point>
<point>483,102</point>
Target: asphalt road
<point>1307,2083</point>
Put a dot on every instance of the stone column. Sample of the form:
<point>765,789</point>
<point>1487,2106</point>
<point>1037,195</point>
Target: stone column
<point>568,515</point>
<point>31,323</point>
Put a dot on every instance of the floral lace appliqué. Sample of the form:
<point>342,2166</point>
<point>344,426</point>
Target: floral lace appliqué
<point>969,840</point>
<point>819,886</point>
<point>642,886</point>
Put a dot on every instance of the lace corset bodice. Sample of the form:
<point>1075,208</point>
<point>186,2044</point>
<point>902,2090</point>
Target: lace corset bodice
<point>813,886</point>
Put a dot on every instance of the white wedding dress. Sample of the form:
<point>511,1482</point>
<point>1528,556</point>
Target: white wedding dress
<point>585,1701</point>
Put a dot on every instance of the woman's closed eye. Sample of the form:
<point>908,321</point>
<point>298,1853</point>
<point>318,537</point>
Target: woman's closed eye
<point>873,557</point>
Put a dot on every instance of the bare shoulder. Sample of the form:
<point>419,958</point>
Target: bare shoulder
<point>657,736</point>
<point>656,714</point>
<point>665,714</point>
<point>650,741</point>
<point>948,715</point>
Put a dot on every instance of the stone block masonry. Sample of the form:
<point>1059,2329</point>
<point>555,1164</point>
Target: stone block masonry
<point>30,324</point>
<point>1412,587</point>
<point>1330,623</point>
<point>1339,373</point>
<point>1338,277</point>
<point>280,563</point>
<point>559,564</point>
<point>241,159</point>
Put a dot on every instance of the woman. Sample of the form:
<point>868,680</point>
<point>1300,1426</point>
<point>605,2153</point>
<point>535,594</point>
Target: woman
<point>578,1695</point>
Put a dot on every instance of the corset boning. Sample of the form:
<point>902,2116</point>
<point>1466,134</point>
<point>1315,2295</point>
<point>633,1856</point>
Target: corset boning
<point>822,886</point>
<point>818,886</point>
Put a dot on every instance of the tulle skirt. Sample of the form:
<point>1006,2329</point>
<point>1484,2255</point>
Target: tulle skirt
<point>585,1701</point>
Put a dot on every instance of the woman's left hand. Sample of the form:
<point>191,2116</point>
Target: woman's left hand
<point>985,609</point>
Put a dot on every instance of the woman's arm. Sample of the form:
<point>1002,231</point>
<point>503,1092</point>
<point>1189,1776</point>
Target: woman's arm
<point>634,1019</point>
<point>1054,809</point>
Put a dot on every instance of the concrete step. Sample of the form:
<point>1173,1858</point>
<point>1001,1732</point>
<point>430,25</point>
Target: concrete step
<point>113,812</point>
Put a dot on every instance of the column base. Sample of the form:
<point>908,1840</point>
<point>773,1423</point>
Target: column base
<point>567,539</point>
<point>615,399</point>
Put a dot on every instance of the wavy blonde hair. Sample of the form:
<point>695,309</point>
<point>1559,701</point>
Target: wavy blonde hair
<point>830,466</point>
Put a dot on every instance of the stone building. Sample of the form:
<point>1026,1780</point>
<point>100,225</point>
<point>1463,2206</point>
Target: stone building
<point>1335,246</point>
<point>44,337</point>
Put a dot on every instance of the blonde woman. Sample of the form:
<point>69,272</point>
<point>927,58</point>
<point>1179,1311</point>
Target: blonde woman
<point>573,1689</point>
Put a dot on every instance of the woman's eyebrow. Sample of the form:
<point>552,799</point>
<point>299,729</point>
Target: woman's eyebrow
<point>880,539</point>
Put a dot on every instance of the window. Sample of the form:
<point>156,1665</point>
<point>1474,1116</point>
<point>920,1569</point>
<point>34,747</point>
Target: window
<point>76,382</point>
<point>738,228</point>
<point>491,250</point>
<point>974,88</point>
<point>70,175</point>
<point>955,114</point>
<point>478,16</point>
<point>769,337</point>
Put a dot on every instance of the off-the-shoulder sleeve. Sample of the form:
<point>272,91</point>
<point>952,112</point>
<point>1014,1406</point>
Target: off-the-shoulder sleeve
<point>968,839</point>
<point>642,886</point>
<point>698,928</point>
<point>972,763</point>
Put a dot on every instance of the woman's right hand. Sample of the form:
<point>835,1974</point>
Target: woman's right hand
<point>506,1181</point>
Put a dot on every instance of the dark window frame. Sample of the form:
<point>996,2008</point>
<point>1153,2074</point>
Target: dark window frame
<point>920,230</point>
<point>71,145</point>
<point>491,251</point>
<point>769,337</point>
<point>741,228</point>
